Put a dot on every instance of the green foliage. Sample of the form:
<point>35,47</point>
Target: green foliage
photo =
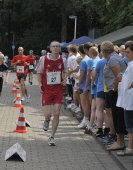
<point>37,22</point>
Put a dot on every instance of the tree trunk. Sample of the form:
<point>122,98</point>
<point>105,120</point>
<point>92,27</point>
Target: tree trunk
<point>64,26</point>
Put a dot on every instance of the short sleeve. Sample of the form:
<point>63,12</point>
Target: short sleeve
<point>40,66</point>
<point>83,66</point>
<point>97,68</point>
<point>114,62</point>
<point>89,65</point>
<point>68,62</point>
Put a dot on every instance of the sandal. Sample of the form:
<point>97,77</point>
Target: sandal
<point>126,152</point>
<point>115,146</point>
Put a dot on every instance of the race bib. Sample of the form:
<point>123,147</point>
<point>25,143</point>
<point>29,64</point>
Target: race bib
<point>20,69</point>
<point>53,77</point>
<point>1,74</point>
<point>31,67</point>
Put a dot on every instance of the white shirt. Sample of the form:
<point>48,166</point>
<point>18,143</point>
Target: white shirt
<point>72,63</point>
<point>125,92</point>
<point>40,65</point>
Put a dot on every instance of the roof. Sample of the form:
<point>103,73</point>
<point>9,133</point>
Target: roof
<point>117,36</point>
<point>78,41</point>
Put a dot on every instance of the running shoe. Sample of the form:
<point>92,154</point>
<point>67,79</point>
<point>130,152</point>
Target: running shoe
<point>70,106</point>
<point>46,125</point>
<point>51,141</point>
<point>77,110</point>
<point>99,133</point>
<point>83,124</point>
<point>88,130</point>
<point>109,139</point>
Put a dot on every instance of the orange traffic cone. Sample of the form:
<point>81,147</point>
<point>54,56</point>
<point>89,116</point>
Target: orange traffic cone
<point>17,83</point>
<point>21,126</point>
<point>14,88</point>
<point>18,100</point>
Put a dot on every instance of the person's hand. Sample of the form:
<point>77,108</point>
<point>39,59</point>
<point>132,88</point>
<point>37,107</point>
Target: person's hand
<point>64,81</point>
<point>41,88</point>
<point>85,90</point>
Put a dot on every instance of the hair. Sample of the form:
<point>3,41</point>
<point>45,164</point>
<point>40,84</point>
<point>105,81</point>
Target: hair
<point>31,51</point>
<point>107,46</point>
<point>87,46</point>
<point>20,47</point>
<point>79,58</point>
<point>2,55</point>
<point>122,46</point>
<point>73,48</point>
<point>129,44</point>
<point>43,52</point>
<point>54,42</point>
<point>93,51</point>
<point>117,49</point>
<point>81,49</point>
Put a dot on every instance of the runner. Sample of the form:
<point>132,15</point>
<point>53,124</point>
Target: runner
<point>3,68</point>
<point>21,63</point>
<point>32,62</point>
<point>52,80</point>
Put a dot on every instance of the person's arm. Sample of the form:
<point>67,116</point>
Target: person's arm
<point>94,75</point>
<point>117,72</point>
<point>7,76</point>
<point>39,78</point>
<point>81,77</point>
<point>88,80</point>
<point>73,71</point>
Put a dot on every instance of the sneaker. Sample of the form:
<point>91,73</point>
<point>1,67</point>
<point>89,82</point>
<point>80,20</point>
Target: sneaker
<point>99,133</point>
<point>73,108</point>
<point>106,131</point>
<point>31,83</point>
<point>27,100</point>
<point>51,141</point>
<point>83,124</point>
<point>46,125</point>
<point>77,110</point>
<point>70,105</point>
<point>23,99</point>
<point>109,139</point>
<point>88,130</point>
<point>68,98</point>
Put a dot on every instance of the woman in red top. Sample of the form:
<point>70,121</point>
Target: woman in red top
<point>21,63</point>
<point>32,62</point>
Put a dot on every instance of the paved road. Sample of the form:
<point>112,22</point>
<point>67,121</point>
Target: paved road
<point>74,150</point>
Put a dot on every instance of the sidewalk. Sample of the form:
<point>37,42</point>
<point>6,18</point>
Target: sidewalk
<point>74,150</point>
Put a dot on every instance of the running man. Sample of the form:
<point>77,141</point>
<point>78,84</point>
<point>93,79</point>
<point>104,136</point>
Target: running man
<point>32,62</point>
<point>51,73</point>
<point>21,63</point>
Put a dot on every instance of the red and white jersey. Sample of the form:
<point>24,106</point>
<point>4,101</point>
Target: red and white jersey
<point>51,71</point>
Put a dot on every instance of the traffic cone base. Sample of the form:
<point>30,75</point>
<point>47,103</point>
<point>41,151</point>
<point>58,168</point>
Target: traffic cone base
<point>21,126</point>
<point>21,131</point>
<point>17,105</point>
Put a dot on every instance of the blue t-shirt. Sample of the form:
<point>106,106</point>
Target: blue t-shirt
<point>125,59</point>
<point>84,67</point>
<point>94,63</point>
<point>99,69</point>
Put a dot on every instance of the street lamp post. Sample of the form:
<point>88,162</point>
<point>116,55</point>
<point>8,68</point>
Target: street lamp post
<point>75,25</point>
